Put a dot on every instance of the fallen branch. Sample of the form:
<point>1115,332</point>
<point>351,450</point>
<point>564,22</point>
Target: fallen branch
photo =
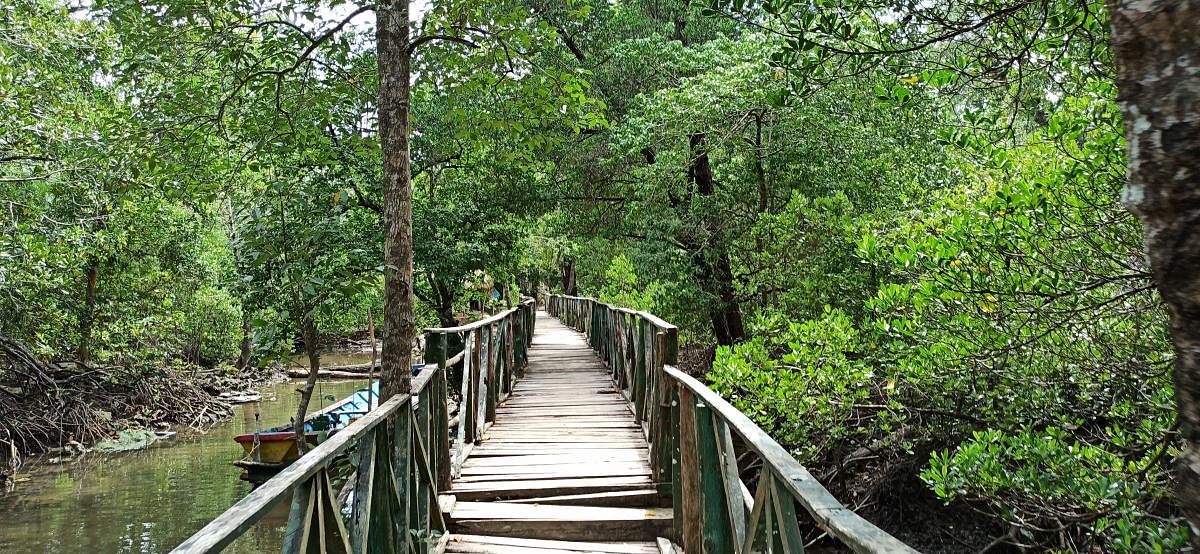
<point>333,374</point>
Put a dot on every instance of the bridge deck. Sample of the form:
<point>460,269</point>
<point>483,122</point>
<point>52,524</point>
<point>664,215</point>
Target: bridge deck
<point>564,463</point>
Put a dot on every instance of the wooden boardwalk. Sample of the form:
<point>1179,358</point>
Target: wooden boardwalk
<point>564,468</point>
<point>561,465</point>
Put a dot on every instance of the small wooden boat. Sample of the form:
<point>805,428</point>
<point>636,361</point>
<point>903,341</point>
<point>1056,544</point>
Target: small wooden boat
<point>270,450</point>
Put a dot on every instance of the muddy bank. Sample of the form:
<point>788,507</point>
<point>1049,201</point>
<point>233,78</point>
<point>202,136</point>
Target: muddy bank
<point>64,409</point>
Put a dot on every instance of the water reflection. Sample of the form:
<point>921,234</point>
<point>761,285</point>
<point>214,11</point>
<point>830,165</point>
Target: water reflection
<point>149,501</point>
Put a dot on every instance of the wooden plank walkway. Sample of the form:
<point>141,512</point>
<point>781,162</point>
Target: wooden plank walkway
<point>564,468</point>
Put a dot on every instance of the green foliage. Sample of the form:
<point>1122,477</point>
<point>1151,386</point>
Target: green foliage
<point>215,316</point>
<point>1013,332</point>
<point>797,379</point>
<point>621,287</point>
<point>1058,478</point>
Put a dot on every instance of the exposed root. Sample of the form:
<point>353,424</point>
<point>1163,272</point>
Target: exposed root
<point>45,406</point>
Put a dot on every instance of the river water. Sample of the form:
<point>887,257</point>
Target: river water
<point>149,501</point>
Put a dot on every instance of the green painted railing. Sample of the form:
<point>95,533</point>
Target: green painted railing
<point>690,428</point>
<point>402,450</point>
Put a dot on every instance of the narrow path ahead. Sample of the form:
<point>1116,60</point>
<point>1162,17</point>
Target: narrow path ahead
<point>565,467</point>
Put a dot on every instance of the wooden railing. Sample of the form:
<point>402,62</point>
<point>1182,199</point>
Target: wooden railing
<point>402,450</point>
<point>692,452</point>
<point>495,351</point>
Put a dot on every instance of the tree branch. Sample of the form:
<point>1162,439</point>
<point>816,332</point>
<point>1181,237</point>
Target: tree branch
<point>17,158</point>
<point>421,40</point>
<point>280,73</point>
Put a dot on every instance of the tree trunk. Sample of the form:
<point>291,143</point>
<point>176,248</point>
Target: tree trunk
<point>716,275</point>
<point>374,356</point>
<point>309,331</point>
<point>760,172</point>
<point>87,320</point>
<point>727,314</point>
<point>246,346</point>
<point>1156,44</point>
<point>568,277</point>
<point>443,302</point>
<point>399,324</point>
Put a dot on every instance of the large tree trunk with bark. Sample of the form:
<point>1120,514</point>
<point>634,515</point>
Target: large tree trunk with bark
<point>308,329</point>
<point>713,268</point>
<point>399,323</point>
<point>1157,49</point>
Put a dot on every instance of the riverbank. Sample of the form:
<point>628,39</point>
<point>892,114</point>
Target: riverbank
<point>150,500</point>
<point>63,410</point>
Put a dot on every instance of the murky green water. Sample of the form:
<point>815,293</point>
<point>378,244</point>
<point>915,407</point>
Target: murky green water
<point>149,501</point>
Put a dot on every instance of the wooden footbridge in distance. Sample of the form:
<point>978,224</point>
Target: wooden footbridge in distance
<point>574,433</point>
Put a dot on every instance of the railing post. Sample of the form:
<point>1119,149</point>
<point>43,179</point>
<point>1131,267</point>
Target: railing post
<point>402,472</point>
<point>470,387</point>
<point>639,371</point>
<point>716,519</point>
<point>664,441</point>
<point>510,358</point>
<point>315,523</point>
<point>494,359</point>
<point>735,501</point>
<point>690,502</point>
<point>673,452</point>
<point>435,351</point>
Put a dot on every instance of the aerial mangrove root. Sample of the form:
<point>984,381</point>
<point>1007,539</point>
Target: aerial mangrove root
<point>44,406</point>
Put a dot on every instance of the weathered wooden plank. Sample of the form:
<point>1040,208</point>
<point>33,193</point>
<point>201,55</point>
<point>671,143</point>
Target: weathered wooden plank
<point>567,419</point>
<point>608,409</point>
<point>574,457</point>
<point>567,433</point>
<point>546,487</point>
<point>715,521</point>
<point>498,449</point>
<point>465,510</point>
<point>446,502</point>
<point>481,395</point>
<point>466,480</point>
<point>582,408</point>
<point>296,532</point>
<point>473,325</point>
<point>535,546</point>
<point>582,468</point>
<point>631,498</point>
<point>736,506</point>
<point>363,491</point>
<point>644,528</point>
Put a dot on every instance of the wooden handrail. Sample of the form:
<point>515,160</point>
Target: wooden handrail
<point>841,522</point>
<point>689,429</point>
<point>222,531</point>
<point>477,324</point>
<point>653,319</point>
<point>492,349</point>
<point>407,460</point>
